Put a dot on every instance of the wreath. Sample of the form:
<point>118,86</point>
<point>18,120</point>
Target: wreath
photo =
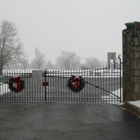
<point>76,84</point>
<point>15,84</point>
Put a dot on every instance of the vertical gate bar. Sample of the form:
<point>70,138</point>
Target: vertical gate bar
<point>22,73</point>
<point>60,95</point>
<point>120,79</point>
<point>15,71</point>
<point>107,77</point>
<point>45,85</point>
<point>3,96</point>
<point>41,88</point>
<point>112,79</point>
<point>95,87</point>
<point>100,77</point>
<point>92,86</point>
<point>37,88</point>
<point>31,83</point>
<point>117,84</point>
<point>57,79</point>
<point>11,75</point>
<point>103,75</point>
<point>53,86</point>
<point>7,79</point>
<point>49,79</point>
<point>59,86</point>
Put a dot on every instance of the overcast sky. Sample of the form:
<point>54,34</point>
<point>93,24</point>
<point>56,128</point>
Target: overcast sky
<point>89,28</point>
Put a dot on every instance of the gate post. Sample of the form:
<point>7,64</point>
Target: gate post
<point>131,62</point>
<point>119,56</point>
<point>45,85</point>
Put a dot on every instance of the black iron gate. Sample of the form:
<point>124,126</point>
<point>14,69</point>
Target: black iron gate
<point>102,85</point>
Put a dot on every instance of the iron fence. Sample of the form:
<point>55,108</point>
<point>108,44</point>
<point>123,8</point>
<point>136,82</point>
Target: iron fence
<point>102,85</point>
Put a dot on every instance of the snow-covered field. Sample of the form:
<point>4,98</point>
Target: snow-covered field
<point>113,99</point>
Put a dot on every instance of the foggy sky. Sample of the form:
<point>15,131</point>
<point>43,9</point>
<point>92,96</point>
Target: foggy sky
<point>89,28</point>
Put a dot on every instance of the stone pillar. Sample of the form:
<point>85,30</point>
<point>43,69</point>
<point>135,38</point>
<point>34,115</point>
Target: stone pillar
<point>131,62</point>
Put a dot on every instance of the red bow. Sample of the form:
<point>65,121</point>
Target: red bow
<point>77,82</point>
<point>17,81</point>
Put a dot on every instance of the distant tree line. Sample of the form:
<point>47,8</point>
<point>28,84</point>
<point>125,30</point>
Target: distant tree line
<point>13,56</point>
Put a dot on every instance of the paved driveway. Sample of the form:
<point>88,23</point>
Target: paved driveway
<point>66,121</point>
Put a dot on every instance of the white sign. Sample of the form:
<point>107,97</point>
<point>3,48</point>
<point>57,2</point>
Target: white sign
<point>37,73</point>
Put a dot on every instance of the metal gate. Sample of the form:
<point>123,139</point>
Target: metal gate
<point>102,85</point>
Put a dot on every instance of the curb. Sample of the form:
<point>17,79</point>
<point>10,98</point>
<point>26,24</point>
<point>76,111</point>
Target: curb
<point>131,108</point>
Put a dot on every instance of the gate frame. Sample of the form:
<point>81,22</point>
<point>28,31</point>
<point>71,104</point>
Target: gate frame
<point>79,98</point>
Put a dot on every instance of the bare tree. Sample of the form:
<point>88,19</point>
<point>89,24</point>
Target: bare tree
<point>92,62</point>
<point>75,60</point>
<point>10,47</point>
<point>24,62</point>
<point>84,67</point>
<point>39,60</point>
<point>49,65</point>
<point>68,60</point>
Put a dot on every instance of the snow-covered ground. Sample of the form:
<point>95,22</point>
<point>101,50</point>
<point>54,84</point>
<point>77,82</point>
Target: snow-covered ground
<point>114,97</point>
<point>135,103</point>
<point>4,88</point>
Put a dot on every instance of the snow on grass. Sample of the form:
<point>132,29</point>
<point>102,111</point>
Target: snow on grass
<point>4,88</point>
<point>135,103</point>
<point>112,99</point>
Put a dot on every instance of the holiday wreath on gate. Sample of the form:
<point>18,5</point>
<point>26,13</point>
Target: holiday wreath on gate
<point>76,83</point>
<point>16,84</point>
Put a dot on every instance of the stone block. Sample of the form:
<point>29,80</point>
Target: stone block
<point>134,48</point>
<point>138,32</point>
<point>139,66</point>
<point>124,32</point>
<point>130,96</point>
<point>136,88</point>
<point>132,55</point>
<point>129,86</point>
<point>133,79</point>
<point>136,54</point>
<point>138,47</point>
<point>127,96</point>
<point>132,72</point>
<point>137,73</point>
<point>134,66</point>
<point>136,42</point>
<point>138,79</point>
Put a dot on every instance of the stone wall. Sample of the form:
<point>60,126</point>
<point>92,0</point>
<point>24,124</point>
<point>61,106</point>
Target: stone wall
<point>131,62</point>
